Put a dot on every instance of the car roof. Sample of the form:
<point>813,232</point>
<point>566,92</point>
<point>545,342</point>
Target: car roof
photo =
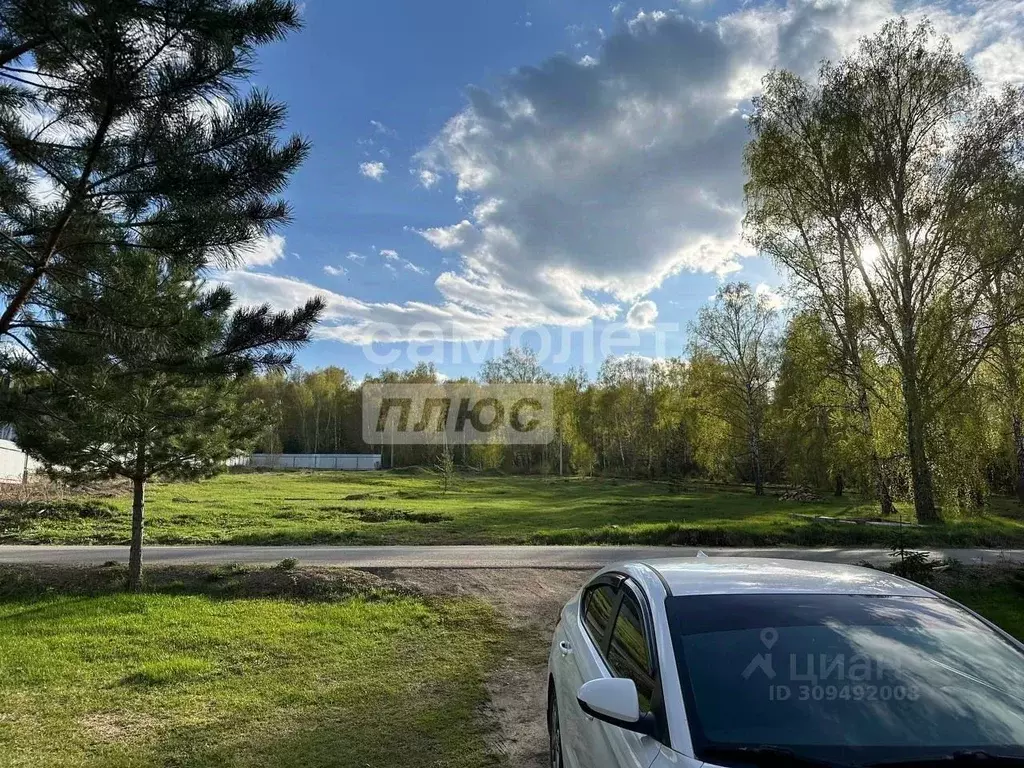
<point>752,575</point>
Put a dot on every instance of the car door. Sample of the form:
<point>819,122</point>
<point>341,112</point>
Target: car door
<point>628,651</point>
<point>580,633</point>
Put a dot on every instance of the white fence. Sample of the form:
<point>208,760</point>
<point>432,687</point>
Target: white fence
<point>345,461</point>
<point>15,464</point>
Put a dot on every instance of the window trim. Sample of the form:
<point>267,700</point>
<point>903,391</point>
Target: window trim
<point>620,582</point>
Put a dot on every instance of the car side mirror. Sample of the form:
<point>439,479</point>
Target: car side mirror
<point>614,700</point>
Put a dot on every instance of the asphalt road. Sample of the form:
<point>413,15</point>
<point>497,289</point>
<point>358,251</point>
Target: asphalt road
<point>453,556</point>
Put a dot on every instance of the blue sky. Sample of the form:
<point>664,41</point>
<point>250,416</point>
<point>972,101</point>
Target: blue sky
<point>489,168</point>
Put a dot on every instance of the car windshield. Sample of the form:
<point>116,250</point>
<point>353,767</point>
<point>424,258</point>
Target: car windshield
<point>846,678</point>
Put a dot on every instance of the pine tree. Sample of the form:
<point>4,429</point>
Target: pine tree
<point>141,375</point>
<point>122,130</point>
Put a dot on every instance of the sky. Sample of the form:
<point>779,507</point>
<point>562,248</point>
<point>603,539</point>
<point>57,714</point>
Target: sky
<point>556,173</point>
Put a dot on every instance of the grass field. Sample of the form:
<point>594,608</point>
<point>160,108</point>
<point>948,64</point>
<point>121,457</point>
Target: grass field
<point>191,679</point>
<point>398,508</point>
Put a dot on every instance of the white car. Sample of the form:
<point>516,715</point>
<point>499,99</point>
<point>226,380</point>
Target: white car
<point>748,662</point>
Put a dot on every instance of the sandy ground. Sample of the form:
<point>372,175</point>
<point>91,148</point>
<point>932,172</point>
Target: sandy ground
<point>530,600</point>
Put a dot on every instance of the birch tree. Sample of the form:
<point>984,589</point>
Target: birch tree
<point>898,149</point>
<point>740,331</point>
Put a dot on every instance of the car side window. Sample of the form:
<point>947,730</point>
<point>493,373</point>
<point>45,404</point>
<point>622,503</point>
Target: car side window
<point>628,654</point>
<point>598,611</point>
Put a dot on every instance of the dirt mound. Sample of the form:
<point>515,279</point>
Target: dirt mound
<point>286,581</point>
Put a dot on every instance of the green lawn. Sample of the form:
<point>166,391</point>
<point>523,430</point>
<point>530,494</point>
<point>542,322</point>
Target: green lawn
<point>398,508</point>
<point>194,679</point>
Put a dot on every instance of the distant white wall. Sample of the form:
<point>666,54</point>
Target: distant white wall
<point>14,462</point>
<point>349,461</point>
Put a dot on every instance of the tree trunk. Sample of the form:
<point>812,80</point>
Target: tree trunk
<point>138,517</point>
<point>755,457</point>
<point>920,471</point>
<point>1018,447</point>
<point>882,489</point>
<point>840,485</point>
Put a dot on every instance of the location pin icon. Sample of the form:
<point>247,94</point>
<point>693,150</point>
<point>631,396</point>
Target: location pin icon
<point>769,636</point>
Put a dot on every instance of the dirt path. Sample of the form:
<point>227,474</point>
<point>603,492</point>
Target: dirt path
<point>530,600</point>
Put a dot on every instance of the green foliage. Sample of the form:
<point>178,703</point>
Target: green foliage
<point>739,332</point>
<point>160,398</point>
<point>140,131</point>
<point>159,169</point>
<point>890,190</point>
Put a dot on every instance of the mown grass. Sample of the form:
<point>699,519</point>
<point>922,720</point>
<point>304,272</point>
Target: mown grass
<point>397,508</point>
<point>192,679</point>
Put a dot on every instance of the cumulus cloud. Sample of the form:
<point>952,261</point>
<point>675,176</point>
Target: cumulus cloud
<point>594,180</point>
<point>642,315</point>
<point>389,254</point>
<point>357,322</point>
<point>373,170</point>
<point>334,271</point>
<point>357,258</point>
<point>264,251</point>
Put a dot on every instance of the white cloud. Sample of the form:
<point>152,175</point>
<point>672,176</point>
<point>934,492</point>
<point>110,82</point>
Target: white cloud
<point>357,258</point>
<point>334,271</point>
<point>427,177</point>
<point>592,181</point>
<point>373,170</point>
<point>382,129</point>
<point>264,251</point>
<point>450,238</point>
<point>393,260</point>
<point>612,174</point>
<point>357,322</point>
<point>642,315</point>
